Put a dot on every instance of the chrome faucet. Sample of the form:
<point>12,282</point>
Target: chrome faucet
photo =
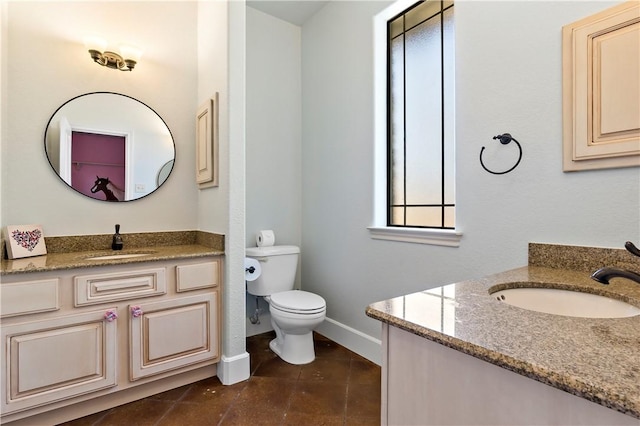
<point>603,275</point>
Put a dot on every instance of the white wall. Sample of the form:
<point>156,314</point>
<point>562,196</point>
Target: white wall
<point>273,128</point>
<point>47,64</point>
<point>508,74</point>
<point>273,144</point>
<point>3,83</point>
<point>191,50</point>
<point>213,63</point>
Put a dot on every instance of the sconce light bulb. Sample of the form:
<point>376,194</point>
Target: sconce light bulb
<point>131,53</point>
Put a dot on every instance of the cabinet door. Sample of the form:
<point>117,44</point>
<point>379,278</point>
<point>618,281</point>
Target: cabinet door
<point>601,112</point>
<point>50,360</point>
<point>173,334</point>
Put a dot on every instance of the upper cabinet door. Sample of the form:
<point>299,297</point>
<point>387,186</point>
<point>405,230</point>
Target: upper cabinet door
<point>601,85</point>
<point>207,143</point>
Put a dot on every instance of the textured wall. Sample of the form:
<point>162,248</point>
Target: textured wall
<point>45,64</point>
<point>508,74</point>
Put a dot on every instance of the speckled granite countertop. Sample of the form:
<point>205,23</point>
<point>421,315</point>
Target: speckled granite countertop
<point>73,251</point>
<point>597,359</point>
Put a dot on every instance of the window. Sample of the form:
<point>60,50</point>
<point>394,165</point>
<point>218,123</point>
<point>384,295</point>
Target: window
<point>420,117</point>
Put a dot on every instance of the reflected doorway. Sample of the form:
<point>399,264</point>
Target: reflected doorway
<point>96,156</point>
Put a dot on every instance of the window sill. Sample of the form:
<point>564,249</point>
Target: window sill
<point>436,237</point>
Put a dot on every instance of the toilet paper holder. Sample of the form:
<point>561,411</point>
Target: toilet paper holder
<point>252,269</point>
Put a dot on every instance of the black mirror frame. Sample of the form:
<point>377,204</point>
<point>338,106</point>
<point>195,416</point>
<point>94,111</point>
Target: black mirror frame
<point>46,130</point>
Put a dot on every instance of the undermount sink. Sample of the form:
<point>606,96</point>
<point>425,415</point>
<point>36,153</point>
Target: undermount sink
<point>116,256</point>
<point>566,302</point>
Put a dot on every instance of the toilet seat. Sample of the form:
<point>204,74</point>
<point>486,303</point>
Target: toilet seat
<point>297,302</point>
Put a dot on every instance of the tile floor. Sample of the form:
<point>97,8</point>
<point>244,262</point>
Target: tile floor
<point>338,388</point>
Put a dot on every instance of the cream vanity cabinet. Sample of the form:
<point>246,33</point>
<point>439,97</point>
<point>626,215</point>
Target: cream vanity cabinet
<point>108,334</point>
<point>426,383</point>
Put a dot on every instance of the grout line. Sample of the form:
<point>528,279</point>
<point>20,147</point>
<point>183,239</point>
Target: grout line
<point>175,403</point>
<point>165,414</point>
<point>97,422</point>
<point>295,389</point>
<point>231,404</point>
<point>346,396</point>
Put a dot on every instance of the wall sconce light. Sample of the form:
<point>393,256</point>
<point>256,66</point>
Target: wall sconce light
<point>126,60</point>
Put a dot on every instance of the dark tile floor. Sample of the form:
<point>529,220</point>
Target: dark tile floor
<point>338,388</point>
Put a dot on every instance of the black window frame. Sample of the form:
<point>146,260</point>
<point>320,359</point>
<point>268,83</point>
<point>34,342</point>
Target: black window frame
<point>444,6</point>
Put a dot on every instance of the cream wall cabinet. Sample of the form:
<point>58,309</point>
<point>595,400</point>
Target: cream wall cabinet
<point>207,146</point>
<point>99,337</point>
<point>601,90</point>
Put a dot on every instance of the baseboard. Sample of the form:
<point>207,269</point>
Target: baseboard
<point>352,339</point>
<point>234,369</point>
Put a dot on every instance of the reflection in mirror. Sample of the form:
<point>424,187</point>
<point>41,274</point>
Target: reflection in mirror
<point>109,146</point>
<point>164,172</point>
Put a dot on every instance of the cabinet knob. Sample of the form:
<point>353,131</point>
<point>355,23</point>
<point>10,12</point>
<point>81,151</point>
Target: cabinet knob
<point>110,315</point>
<point>136,311</point>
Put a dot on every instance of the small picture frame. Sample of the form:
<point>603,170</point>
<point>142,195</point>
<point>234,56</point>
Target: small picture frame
<point>24,241</point>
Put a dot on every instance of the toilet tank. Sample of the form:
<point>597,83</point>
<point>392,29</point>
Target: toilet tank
<point>278,264</point>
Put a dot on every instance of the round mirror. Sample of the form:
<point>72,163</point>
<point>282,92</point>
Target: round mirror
<point>109,146</point>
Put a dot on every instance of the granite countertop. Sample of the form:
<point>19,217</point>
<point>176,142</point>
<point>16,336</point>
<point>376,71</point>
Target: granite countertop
<point>593,358</point>
<point>72,252</point>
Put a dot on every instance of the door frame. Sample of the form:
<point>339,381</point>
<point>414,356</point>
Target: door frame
<point>65,153</point>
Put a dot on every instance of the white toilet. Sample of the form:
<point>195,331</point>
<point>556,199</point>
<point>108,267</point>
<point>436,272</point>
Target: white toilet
<point>294,313</point>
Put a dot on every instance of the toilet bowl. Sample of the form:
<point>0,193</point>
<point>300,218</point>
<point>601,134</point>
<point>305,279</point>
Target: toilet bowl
<point>294,313</point>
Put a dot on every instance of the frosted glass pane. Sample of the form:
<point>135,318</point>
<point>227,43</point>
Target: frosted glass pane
<point>396,105</point>
<point>449,108</point>
<point>397,216</point>
<point>449,217</point>
<point>421,13</point>
<point>396,27</point>
<point>424,114</point>
<point>424,216</point>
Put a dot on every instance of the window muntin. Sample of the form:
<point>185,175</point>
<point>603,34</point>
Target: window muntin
<point>420,115</point>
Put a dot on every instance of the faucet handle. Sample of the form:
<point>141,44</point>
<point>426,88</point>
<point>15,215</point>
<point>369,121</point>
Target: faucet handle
<point>631,248</point>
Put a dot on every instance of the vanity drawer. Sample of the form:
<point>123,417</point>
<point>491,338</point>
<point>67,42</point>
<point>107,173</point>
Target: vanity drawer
<point>198,275</point>
<point>29,297</point>
<point>121,285</point>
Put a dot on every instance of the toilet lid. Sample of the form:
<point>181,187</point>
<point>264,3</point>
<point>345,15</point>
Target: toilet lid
<point>298,301</point>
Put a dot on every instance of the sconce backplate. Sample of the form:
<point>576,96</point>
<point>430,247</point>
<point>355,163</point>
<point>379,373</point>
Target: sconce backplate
<point>112,60</point>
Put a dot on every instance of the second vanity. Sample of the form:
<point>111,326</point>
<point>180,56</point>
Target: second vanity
<point>456,355</point>
<point>90,329</point>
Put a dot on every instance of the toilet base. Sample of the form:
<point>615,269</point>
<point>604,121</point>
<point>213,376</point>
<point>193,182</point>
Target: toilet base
<point>295,349</point>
